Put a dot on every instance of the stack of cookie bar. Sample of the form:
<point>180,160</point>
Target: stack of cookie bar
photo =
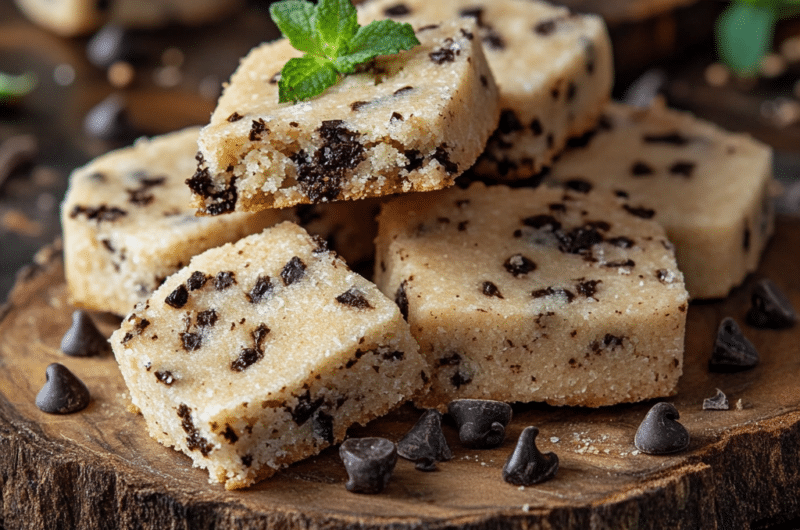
<point>252,344</point>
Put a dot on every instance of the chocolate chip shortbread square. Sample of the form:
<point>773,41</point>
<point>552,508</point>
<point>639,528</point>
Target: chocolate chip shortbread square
<point>413,121</point>
<point>263,352</point>
<point>128,224</point>
<point>551,294</point>
<point>553,68</point>
<point>709,188</point>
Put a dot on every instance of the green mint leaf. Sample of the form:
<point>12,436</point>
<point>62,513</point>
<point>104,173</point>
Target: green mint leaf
<point>295,20</point>
<point>381,37</point>
<point>744,35</point>
<point>305,77</point>
<point>335,23</point>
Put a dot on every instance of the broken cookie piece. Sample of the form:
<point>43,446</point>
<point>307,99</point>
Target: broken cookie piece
<point>263,352</point>
<point>534,295</point>
<point>127,222</point>
<point>709,188</point>
<point>413,121</point>
<point>553,69</point>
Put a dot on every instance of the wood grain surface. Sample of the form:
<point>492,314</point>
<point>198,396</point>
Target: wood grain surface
<point>98,469</point>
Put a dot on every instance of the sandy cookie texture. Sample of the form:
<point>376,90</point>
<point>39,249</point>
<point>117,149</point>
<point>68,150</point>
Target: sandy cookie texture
<point>554,295</point>
<point>709,188</point>
<point>553,68</point>
<point>77,17</point>
<point>263,352</point>
<point>128,224</point>
<point>413,121</point>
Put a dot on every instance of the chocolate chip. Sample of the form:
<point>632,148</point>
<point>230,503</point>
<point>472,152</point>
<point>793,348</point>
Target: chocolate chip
<point>165,377</point>
<point>354,298</point>
<point>442,156</point>
<point>235,117</point>
<point>474,12</point>
<point>621,242</point>
<point>490,289</point>
<point>396,116</point>
<point>261,290</point>
<point>63,392</point>
<point>620,263</point>
<point>639,211</point>
<point>732,351</point>
<point>191,341</point>
<point>224,279</point>
<point>640,169</point>
<point>178,297</point>
<point>197,280</point>
<point>493,39</point>
<point>401,299</point>
<point>770,308</point>
<point>579,185</point>
<point>718,402</point>
<point>587,288</point>
<point>527,465</point>
<point>442,55</point>
<point>369,463</point>
<point>322,426</point>
<point>684,169</point>
<point>305,408</point>
<point>660,433</point>
<point>223,200</point>
<point>674,138</point>
<point>83,339</point>
<point>549,291</point>
<point>481,423</point>
<point>356,105</point>
<point>545,27</point>
<point>207,318</point>
<point>98,213</point>
<point>509,122</point>
<point>425,443</point>
<point>542,221</point>
<point>293,271</point>
<point>321,175</point>
<point>194,442</point>
<point>415,160</point>
<point>519,265</point>
<point>579,240</point>
<point>397,10</point>
<point>536,127</point>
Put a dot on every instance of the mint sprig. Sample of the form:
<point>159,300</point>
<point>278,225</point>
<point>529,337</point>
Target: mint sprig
<point>334,44</point>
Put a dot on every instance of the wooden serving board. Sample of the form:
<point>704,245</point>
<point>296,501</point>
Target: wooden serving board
<point>98,469</point>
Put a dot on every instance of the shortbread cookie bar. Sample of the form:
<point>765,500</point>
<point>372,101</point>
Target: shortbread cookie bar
<point>263,352</point>
<point>551,295</point>
<point>709,188</point>
<point>553,68</point>
<point>78,17</point>
<point>128,224</point>
<point>411,122</point>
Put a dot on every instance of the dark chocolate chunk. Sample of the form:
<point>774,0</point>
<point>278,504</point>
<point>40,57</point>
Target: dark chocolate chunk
<point>732,351</point>
<point>469,36</point>
<point>194,442</point>
<point>178,297</point>
<point>261,290</point>
<point>639,211</point>
<point>684,169</point>
<point>207,318</point>
<point>108,120</point>
<point>98,213</point>
<point>425,443</point>
<point>356,105</point>
<point>536,127</point>
<point>305,408</point>
<point>165,377</point>
<point>542,221</point>
<point>490,289</point>
<point>354,298</point>
<point>579,240</point>
<point>770,308</point>
<point>579,185</point>
<point>247,357</point>
<point>660,433</point>
<point>519,265</point>
<point>322,426</point>
<point>222,200</point>
<point>442,55</point>
<point>549,291</point>
<point>396,116</point>
<point>235,117</point>
<point>493,39</point>
<point>674,138</point>
<point>640,169</point>
<point>415,160</point>
<point>401,299</point>
<point>224,279</point>
<point>474,12</point>
<point>620,263</point>
<point>527,465</point>
<point>442,156</point>
<point>587,288</point>
<point>321,174</point>
<point>63,392</point>
<point>257,129</point>
<point>191,341</point>
<point>83,339</point>
<point>545,27</point>
<point>197,280</point>
<point>718,402</point>
<point>293,271</point>
<point>481,423</point>
<point>397,10</point>
<point>369,463</point>
<point>578,142</point>
<point>621,241</point>
<point>509,122</point>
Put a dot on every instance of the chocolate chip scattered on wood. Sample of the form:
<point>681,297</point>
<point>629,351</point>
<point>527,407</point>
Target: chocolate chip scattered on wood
<point>481,422</point>
<point>527,465</point>
<point>83,339</point>
<point>660,433</point>
<point>732,351</point>
<point>770,308</point>
<point>63,393</point>
<point>425,443</point>
<point>369,462</point>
